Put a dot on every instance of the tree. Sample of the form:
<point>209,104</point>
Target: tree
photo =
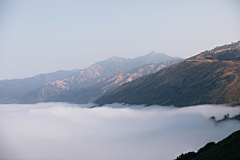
<point>226,116</point>
<point>213,118</point>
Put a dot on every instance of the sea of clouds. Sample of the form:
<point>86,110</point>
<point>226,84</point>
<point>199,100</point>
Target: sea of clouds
<point>64,131</point>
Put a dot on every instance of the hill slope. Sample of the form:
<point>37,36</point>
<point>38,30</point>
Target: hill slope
<point>191,82</point>
<point>226,149</point>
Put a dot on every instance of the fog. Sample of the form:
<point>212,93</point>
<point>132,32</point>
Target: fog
<point>111,132</point>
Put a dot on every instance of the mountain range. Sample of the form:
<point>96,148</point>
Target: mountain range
<point>211,77</point>
<point>91,92</point>
<point>82,86</point>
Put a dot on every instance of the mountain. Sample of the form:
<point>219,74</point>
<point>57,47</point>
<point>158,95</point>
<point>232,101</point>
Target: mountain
<point>107,68</point>
<point>11,90</point>
<point>198,80</point>
<point>23,91</point>
<point>226,149</point>
<point>92,92</point>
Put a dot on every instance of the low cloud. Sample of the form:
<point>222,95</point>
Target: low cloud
<point>69,131</point>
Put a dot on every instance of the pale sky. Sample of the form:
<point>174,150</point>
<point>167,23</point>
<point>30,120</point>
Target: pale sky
<point>42,36</point>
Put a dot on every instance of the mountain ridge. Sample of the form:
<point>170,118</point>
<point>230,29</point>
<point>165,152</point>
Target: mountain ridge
<point>214,51</point>
<point>10,90</point>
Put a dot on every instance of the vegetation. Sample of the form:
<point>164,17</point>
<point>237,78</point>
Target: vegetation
<point>209,53</point>
<point>233,55</point>
<point>226,118</point>
<point>226,149</point>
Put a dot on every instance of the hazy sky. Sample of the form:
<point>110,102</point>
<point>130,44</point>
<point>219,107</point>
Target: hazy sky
<point>67,131</point>
<point>41,36</point>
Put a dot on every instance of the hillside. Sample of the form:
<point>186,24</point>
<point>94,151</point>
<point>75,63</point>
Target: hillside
<point>43,91</point>
<point>226,149</point>
<point>191,82</point>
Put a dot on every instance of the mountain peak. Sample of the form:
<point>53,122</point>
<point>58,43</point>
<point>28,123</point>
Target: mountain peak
<point>153,52</point>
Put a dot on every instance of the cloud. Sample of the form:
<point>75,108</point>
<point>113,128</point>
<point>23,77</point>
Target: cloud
<point>69,131</point>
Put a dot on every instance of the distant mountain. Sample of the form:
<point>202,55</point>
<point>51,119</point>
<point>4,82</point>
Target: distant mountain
<point>226,149</point>
<point>92,92</point>
<point>11,90</point>
<point>107,68</point>
<point>23,91</point>
<point>195,81</point>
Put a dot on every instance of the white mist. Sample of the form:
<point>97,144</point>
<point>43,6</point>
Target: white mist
<point>112,132</point>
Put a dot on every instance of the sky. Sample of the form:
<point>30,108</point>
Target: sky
<point>42,36</point>
<point>69,131</point>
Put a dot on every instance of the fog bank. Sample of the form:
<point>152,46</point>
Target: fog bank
<point>68,131</point>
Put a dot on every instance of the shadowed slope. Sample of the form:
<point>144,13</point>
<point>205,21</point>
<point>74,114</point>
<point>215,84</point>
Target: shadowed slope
<point>226,149</point>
